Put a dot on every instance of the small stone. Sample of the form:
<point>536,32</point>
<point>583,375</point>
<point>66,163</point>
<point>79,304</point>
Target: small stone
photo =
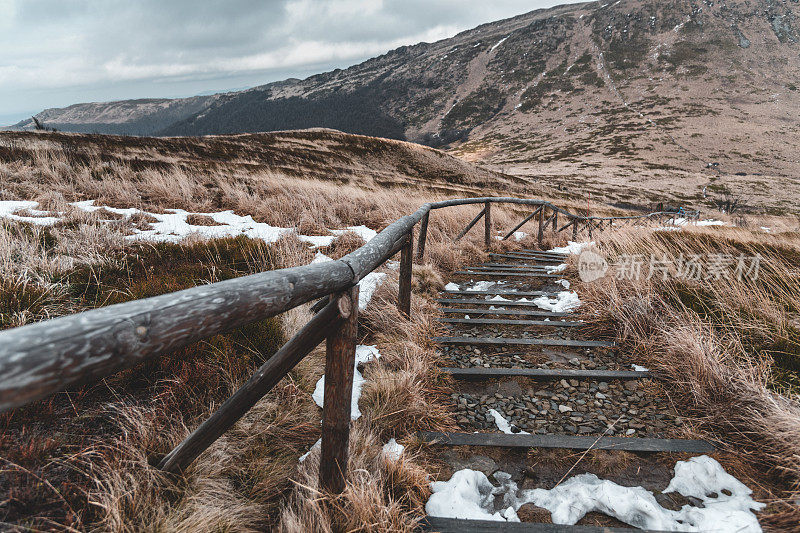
<point>565,408</point>
<point>631,385</point>
<point>600,396</point>
<point>630,432</point>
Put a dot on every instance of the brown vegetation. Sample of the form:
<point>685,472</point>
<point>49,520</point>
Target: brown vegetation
<point>730,347</point>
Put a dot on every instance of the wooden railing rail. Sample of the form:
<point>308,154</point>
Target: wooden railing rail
<point>50,356</point>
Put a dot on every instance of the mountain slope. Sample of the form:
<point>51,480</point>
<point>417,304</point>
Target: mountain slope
<point>604,96</point>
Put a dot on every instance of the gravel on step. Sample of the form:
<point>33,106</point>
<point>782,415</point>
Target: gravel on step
<point>571,407</point>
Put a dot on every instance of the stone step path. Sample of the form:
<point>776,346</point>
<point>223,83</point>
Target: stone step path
<point>560,391</point>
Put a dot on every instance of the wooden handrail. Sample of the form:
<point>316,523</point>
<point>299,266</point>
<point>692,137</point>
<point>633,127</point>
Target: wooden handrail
<point>49,356</point>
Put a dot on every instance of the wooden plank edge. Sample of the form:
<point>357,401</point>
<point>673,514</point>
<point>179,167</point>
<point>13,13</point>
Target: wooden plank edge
<point>570,442</point>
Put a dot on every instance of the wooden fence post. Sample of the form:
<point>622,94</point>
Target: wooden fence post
<point>487,228</point>
<point>340,357</point>
<point>540,235</point>
<point>591,223</point>
<point>406,267</point>
<point>574,230</point>
<point>555,220</point>
<point>423,235</point>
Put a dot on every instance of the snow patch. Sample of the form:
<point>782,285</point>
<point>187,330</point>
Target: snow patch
<point>317,445</point>
<point>638,368</point>
<point>573,248</point>
<point>503,424</point>
<point>392,451</point>
<point>367,287</point>
<point>557,268</point>
<point>564,283</point>
<point>452,287</point>
<point>469,494</point>
<point>498,43</point>
<point>364,354</point>
<point>563,301</point>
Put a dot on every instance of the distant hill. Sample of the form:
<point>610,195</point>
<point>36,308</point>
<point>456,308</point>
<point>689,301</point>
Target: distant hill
<point>605,93</point>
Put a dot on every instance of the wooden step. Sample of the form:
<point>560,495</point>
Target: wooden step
<point>508,268</point>
<point>501,293</point>
<point>477,301</point>
<point>504,341</point>
<point>510,322</point>
<point>517,312</point>
<point>545,374</point>
<point>504,274</point>
<point>570,442</point>
<point>538,259</point>
<point>542,252</point>
<point>461,525</point>
<point>517,266</point>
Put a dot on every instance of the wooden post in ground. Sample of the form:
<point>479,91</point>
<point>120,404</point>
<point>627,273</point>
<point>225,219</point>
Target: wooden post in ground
<point>339,366</point>
<point>555,221</point>
<point>487,228</point>
<point>540,235</point>
<point>423,235</point>
<point>591,223</point>
<point>406,267</point>
<point>575,230</point>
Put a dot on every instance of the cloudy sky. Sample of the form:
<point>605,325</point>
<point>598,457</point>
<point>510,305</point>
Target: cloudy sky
<point>57,52</point>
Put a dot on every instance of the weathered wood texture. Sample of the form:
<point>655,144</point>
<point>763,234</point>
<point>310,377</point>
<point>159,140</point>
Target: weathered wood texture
<point>487,227</point>
<point>469,226</point>
<point>501,341</point>
<point>527,257</point>
<point>524,221</point>
<point>42,358</point>
<point>545,374</point>
<point>520,312</point>
<point>339,367</point>
<point>423,236</point>
<point>510,322</point>
<point>510,268</point>
<point>256,387</point>
<point>540,232</point>
<point>485,302</point>
<point>499,292</point>
<point>503,273</point>
<point>571,442</point>
<point>406,266</point>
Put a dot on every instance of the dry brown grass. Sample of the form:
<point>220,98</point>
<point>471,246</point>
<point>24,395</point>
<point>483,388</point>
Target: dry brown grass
<point>729,347</point>
<point>250,479</point>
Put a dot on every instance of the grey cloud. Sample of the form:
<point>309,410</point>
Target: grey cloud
<point>53,50</point>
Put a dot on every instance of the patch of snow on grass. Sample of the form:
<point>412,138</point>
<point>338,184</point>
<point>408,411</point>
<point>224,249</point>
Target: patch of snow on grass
<point>9,207</point>
<point>519,235</point>
<point>452,287</point>
<point>364,354</point>
<point>392,451</point>
<point>562,302</point>
<point>572,247</point>
<point>557,268</point>
<point>362,231</point>
<point>638,368</point>
<point>564,283</point>
<point>497,298</point>
<point>317,445</point>
<point>367,287</point>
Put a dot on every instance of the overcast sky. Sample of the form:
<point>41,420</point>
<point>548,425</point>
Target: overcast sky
<point>58,52</point>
